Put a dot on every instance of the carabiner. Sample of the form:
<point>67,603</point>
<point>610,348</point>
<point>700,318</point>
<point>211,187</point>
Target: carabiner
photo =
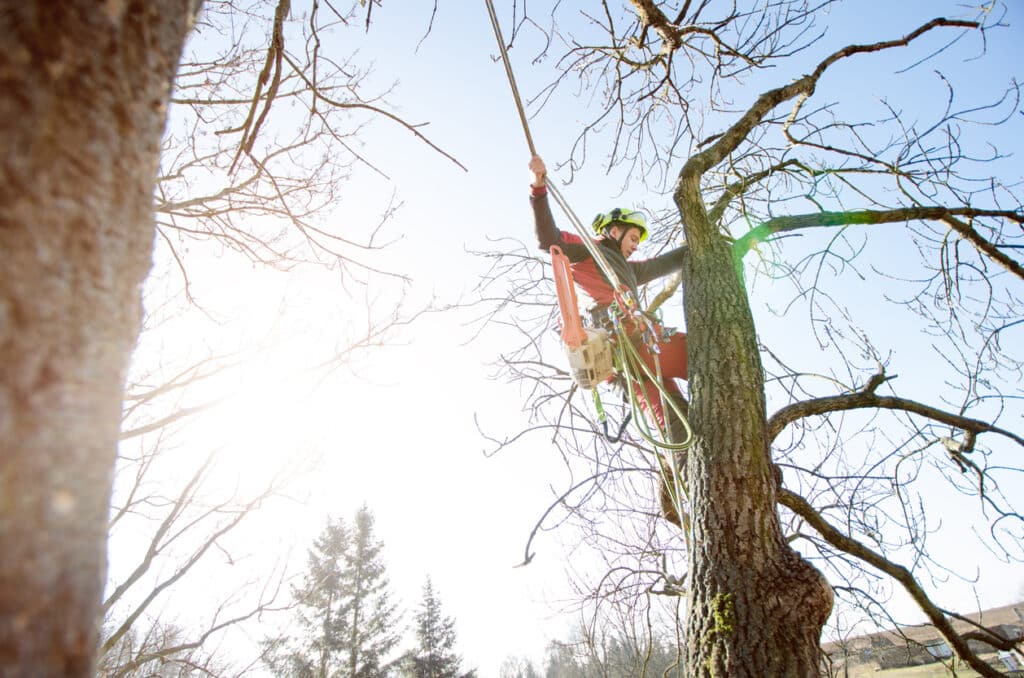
<point>622,429</point>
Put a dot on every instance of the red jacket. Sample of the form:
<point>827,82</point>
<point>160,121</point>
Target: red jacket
<point>586,273</point>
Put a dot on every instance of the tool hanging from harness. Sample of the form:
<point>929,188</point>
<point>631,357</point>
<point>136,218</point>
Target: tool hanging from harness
<point>590,350</point>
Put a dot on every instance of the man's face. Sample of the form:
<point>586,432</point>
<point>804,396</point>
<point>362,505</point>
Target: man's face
<point>630,242</point>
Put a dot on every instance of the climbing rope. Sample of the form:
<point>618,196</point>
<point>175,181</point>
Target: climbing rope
<point>511,76</point>
<point>629,357</point>
<point>592,247</point>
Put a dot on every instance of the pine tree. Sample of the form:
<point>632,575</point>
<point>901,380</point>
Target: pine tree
<point>435,657</point>
<point>370,615</point>
<point>346,621</point>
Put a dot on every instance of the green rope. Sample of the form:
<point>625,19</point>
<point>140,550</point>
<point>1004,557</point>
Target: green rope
<point>633,369</point>
<point>601,416</point>
<point>631,363</point>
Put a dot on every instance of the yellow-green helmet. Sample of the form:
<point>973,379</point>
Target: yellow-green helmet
<point>619,215</point>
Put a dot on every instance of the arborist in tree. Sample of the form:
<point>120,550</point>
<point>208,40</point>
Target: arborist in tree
<point>619,233</point>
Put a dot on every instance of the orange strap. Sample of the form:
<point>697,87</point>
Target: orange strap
<point>572,329</point>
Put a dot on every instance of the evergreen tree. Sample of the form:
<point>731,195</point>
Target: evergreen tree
<point>372,617</point>
<point>435,657</point>
<point>343,610</point>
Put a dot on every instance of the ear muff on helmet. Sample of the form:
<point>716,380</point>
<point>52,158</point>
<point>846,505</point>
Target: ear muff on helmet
<point>629,218</point>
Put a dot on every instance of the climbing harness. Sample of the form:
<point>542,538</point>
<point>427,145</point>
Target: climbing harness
<point>595,354</point>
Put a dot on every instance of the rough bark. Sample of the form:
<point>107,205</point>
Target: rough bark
<point>756,608</point>
<point>84,87</point>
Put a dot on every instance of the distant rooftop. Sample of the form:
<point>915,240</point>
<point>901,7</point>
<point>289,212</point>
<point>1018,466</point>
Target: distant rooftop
<point>916,645</point>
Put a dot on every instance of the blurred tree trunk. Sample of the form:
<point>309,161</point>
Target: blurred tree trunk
<point>756,608</point>
<point>83,98</point>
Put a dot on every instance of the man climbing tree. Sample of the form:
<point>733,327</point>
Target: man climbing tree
<point>661,352</point>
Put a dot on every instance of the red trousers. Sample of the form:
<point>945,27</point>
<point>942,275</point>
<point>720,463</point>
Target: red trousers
<point>672,360</point>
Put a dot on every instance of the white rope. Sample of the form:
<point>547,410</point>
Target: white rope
<point>592,248</point>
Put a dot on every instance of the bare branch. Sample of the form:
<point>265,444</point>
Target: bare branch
<point>901,215</point>
<point>804,88</point>
<point>801,507</point>
<point>867,398</point>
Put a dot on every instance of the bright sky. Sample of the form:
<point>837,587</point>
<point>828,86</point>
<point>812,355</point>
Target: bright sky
<point>401,433</point>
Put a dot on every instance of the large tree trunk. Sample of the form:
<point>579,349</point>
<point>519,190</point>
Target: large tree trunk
<point>84,87</point>
<point>756,608</point>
